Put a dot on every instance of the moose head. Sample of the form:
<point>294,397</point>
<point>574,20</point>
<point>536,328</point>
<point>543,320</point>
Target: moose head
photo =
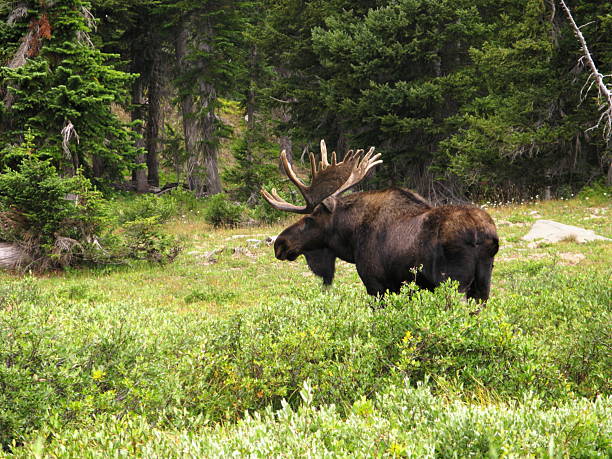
<point>329,180</point>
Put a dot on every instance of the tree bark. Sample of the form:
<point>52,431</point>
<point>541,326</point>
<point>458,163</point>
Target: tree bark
<point>139,173</point>
<point>154,118</point>
<point>283,114</point>
<point>190,130</point>
<point>251,101</point>
<point>199,120</point>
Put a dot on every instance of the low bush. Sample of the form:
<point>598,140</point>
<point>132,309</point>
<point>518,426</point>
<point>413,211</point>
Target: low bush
<point>63,221</point>
<point>145,240</point>
<point>145,206</point>
<point>55,219</point>
<point>66,360</point>
<point>220,211</point>
<point>402,421</point>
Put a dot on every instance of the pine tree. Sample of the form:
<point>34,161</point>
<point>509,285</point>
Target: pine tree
<point>63,89</point>
<point>206,39</point>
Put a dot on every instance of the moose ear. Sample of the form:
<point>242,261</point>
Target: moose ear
<point>329,204</point>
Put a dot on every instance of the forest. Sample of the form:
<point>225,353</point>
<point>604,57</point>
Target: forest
<point>142,310</point>
<point>466,99</point>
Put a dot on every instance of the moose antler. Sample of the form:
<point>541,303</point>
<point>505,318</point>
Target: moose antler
<point>327,180</point>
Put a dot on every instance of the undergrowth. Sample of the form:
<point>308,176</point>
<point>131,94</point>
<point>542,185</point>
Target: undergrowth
<point>69,363</point>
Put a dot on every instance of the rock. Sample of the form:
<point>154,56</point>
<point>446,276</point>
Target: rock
<point>551,231</point>
<point>243,251</point>
<point>236,236</point>
<point>270,240</point>
<point>210,257</point>
<point>571,258</point>
<point>254,242</point>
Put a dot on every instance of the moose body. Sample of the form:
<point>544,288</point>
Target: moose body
<point>389,233</point>
<point>392,236</point>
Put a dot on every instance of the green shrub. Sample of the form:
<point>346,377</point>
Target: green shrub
<point>597,191</point>
<point>265,213</point>
<point>402,421</point>
<point>220,211</point>
<point>146,206</point>
<point>145,240</point>
<point>63,221</point>
<point>55,219</point>
<point>210,294</point>
<point>73,360</point>
<point>255,165</point>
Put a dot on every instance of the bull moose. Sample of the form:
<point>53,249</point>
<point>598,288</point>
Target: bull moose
<point>385,233</point>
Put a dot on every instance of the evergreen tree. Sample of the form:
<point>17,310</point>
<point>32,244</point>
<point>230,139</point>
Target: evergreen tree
<point>63,89</point>
<point>206,38</point>
<point>527,128</point>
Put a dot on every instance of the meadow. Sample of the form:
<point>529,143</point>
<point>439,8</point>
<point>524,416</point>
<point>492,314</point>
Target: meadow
<point>228,351</point>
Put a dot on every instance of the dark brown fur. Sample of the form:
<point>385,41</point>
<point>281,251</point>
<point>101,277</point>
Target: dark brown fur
<point>388,233</point>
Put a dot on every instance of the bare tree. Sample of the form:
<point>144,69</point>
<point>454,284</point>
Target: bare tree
<point>604,94</point>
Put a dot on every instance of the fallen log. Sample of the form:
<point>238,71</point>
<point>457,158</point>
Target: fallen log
<point>12,256</point>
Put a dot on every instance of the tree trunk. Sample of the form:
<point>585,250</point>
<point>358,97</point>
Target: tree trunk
<point>139,174</point>
<point>283,114</point>
<point>209,146</point>
<point>199,120</point>
<point>154,119</point>
<point>251,101</point>
<point>97,164</point>
<point>190,131</point>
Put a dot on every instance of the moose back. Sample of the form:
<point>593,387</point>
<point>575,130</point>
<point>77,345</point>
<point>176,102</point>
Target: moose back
<point>392,235</point>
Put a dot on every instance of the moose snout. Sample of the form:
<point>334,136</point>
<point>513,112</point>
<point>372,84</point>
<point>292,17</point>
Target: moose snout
<point>283,251</point>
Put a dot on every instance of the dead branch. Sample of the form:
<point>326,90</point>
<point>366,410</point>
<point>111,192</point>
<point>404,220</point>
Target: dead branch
<point>19,11</point>
<point>69,132</point>
<point>604,94</point>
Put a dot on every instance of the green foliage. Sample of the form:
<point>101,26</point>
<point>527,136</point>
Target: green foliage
<point>70,81</point>
<point>598,191</point>
<point>220,211</point>
<point>42,210</point>
<point>77,361</point>
<point>145,240</point>
<point>252,169</point>
<point>461,97</point>
<point>162,208</point>
<point>401,422</point>
<point>210,294</point>
<point>64,221</point>
<point>174,155</point>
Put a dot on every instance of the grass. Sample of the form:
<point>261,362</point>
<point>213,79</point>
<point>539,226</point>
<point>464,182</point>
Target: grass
<point>163,360</point>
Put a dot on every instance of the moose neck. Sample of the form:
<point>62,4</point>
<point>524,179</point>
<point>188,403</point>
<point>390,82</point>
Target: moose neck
<point>341,234</point>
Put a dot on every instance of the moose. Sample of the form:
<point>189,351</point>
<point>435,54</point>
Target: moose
<point>392,236</point>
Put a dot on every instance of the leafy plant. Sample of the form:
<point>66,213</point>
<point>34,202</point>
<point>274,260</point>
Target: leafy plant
<point>220,211</point>
<point>145,240</point>
<point>53,217</point>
